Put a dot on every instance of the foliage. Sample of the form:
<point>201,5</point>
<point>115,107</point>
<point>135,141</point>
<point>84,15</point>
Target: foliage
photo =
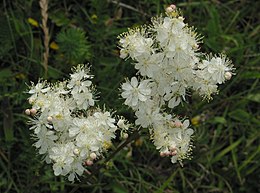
<point>226,150</point>
<point>73,46</point>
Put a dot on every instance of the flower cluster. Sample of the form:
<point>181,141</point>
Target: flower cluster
<point>166,55</point>
<point>68,129</point>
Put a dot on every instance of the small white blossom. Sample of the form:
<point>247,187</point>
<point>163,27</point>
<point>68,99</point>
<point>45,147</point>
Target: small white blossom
<point>134,91</point>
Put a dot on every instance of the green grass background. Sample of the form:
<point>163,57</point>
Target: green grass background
<point>227,152</point>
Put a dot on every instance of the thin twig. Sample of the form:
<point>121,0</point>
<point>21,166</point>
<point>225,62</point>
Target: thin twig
<point>44,13</point>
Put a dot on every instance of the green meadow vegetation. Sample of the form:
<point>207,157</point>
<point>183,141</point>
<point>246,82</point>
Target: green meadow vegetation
<point>227,129</point>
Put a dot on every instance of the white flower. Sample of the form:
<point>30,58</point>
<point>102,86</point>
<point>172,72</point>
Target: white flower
<point>148,117</point>
<point>62,156</point>
<point>214,69</point>
<point>167,53</point>
<point>148,64</point>
<point>45,140</point>
<point>123,124</point>
<point>134,91</point>
<point>104,119</point>
<point>66,131</point>
<point>135,44</point>
<point>84,99</point>
<point>40,87</point>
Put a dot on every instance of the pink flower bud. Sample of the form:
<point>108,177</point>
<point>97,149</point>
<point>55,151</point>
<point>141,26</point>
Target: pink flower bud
<point>89,163</point>
<point>173,6</point>
<point>173,150</point>
<point>169,9</point>
<point>33,112</point>
<point>173,153</point>
<point>162,154</point>
<point>178,124</point>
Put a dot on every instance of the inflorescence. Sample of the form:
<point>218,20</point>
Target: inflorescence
<point>69,130</point>
<point>167,57</point>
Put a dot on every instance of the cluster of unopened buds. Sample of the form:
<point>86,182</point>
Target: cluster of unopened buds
<point>166,55</point>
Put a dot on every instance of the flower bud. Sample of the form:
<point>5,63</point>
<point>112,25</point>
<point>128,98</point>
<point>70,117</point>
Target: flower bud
<point>27,112</point>
<point>172,148</point>
<point>173,151</point>
<point>162,154</point>
<point>169,9</point>
<point>31,101</point>
<point>173,6</point>
<point>178,124</point>
<point>76,151</point>
<point>125,135</point>
<point>49,119</point>
<point>93,156</point>
<point>33,112</point>
<point>89,162</point>
<point>228,75</point>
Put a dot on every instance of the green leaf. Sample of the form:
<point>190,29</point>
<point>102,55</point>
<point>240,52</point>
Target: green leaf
<point>250,75</point>
<point>220,120</point>
<point>73,45</point>
<point>239,115</point>
<point>226,150</point>
<point>243,116</point>
<point>254,97</point>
